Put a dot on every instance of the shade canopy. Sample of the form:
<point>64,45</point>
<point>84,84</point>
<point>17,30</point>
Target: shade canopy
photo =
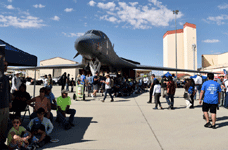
<point>167,75</point>
<point>17,57</point>
<point>203,77</point>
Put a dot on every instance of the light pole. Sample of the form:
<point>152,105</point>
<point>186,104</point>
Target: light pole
<point>176,12</point>
<point>194,49</point>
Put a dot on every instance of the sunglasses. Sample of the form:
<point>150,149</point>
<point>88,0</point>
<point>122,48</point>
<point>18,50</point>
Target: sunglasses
<point>16,122</point>
<point>41,91</point>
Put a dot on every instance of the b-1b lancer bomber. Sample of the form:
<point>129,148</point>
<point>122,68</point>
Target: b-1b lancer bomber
<point>98,54</point>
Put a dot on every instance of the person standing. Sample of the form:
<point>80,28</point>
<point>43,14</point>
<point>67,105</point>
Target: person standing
<point>190,92</point>
<point>212,91</point>
<point>108,89</point>
<point>226,94</point>
<point>95,83</point>
<point>5,105</point>
<point>63,80</point>
<point>221,83</point>
<point>152,88</point>
<point>170,92</point>
<point>157,94</point>
<point>49,82</point>
<point>16,82</point>
<point>163,86</point>
<point>72,82</point>
<point>67,82</point>
<point>198,84</point>
<point>45,81</point>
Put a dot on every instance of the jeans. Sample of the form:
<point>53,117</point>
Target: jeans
<point>172,99</point>
<point>198,87</point>
<point>222,101</point>
<point>226,100</point>
<point>157,99</point>
<point>109,91</point>
<point>62,118</point>
<point>151,93</point>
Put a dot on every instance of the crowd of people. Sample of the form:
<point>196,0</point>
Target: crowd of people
<point>37,132</point>
<point>15,98</point>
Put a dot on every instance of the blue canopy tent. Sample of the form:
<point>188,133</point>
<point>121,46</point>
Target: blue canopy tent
<point>17,57</point>
<point>203,77</point>
<point>167,75</point>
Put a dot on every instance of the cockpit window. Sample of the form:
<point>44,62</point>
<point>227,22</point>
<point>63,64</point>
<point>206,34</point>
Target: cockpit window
<point>103,35</point>
<point>96,33</point>
<point>88,31</point>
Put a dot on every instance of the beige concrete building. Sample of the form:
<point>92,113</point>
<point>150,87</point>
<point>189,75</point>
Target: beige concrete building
<point>215,63</point>
<point>186,37</point>
<point>54,72</point>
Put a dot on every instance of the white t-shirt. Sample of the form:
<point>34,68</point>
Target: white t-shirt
<point>198,80</point>
<point>157,89</point>
<point>108,86</point>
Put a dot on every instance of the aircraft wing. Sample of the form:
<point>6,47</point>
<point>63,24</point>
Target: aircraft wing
<point>80,65</point>
<point>169,69</point>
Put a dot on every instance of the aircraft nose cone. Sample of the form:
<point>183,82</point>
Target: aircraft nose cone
<point>82,46</point>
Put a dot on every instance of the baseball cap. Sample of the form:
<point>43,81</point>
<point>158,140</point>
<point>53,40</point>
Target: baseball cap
<point>65,91</point>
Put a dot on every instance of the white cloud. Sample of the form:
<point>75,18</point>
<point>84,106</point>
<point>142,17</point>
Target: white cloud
<point>68,9</point>
<point>10,1</point>
<point>219,20</point>
<point>56,18</point>
<point>21,22</point>
<point>137,17</point>
<point>72,34</point>
<point>9,7</point>
<point>38,6</point>
<point>211,41</point>
<point>92,3</point>
<point>85,24</point>
<point>224,6</point>
<point>110,5</point>
<point>75,1</point>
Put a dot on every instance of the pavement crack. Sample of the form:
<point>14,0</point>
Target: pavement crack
<point>149,125</point>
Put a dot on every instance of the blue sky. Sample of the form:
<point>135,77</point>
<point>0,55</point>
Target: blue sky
<point>49,29</point>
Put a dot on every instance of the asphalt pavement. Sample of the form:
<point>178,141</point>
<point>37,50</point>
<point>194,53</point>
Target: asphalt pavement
<point>131,123</point>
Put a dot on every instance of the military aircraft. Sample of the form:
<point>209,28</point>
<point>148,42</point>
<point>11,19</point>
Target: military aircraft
<point>98,54</point>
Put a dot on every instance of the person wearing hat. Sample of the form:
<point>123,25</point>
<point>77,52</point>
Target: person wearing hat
<point>108,88</point>
<point>198,84</point>
<point>63,108</point>
<point>221,83</point>
<point>16,82</point>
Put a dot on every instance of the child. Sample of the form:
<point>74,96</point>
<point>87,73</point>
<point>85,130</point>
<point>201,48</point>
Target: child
<point>18,136</point>
<point>41,126</point>
<point>157,94</point>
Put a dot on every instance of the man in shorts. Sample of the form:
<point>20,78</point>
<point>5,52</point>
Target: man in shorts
<point>211,100</point>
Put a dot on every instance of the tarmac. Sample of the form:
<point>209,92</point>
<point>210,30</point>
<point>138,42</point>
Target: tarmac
<point>129,123</point>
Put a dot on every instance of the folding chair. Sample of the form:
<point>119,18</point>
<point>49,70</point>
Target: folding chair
<point>26,109</point>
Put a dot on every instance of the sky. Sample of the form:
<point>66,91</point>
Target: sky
<point>49,28</point>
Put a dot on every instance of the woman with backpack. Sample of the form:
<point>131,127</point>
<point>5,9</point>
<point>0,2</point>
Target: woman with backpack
<point>189,93</point>
<point>170,92</point>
